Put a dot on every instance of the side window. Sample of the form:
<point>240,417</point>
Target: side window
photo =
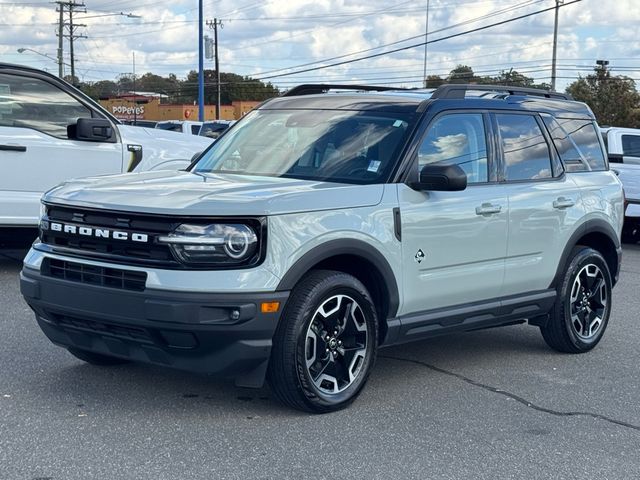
<point>526,152</point>
<point>457,139</point>
<point>195,129</point>
<point>631,145</point>
<point>577,143</point>
<point>32,103</point>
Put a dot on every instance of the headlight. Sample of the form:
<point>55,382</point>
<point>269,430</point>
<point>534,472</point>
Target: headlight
<point>215,244</point>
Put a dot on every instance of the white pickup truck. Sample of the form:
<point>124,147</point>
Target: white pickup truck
<point>51,132</point>
<point>623,147</point>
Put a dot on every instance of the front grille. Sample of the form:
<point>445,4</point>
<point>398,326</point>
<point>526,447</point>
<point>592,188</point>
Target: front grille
<point>102,328</point>
<point>94,275</point>
<point>125,251</point>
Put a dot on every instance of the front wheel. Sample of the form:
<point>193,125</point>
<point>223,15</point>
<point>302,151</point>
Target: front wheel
<point>583,305</point>
<point>326,343</point>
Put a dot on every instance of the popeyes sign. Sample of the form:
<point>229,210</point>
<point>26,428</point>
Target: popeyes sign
<point>124,112</point>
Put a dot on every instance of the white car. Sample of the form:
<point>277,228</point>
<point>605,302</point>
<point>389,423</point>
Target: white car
<point>623,148</point>
<point>189,127</point>
<point>51,132</point>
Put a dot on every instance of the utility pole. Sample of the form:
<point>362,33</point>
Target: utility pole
<point>214,25</point>
<point>555,46</point>
<point>60,32</point>
<point>69,6</point>
<point>426,43</point>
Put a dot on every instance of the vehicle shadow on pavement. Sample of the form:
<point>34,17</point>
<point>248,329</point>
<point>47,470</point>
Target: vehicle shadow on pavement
<point>132,388</point>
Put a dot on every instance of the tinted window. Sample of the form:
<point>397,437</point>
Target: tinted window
<point>457,139</point>
<point>328,145</point>
<point>172,127</point>
<point>631,145</point>
<point>577,143</point>
<point>32,103</point>
<point>526,152</point>
<point>195,129</point>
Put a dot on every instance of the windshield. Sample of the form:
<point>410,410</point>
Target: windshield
<point>327,145</point>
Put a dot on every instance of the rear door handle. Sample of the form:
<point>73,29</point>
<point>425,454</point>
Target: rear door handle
<point>562,202</point>
<point>488,209</point>
<point>13,148</point>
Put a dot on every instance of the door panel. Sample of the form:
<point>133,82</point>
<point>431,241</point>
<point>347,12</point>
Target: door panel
<point>35,152</point>
<point>542,217</point>
<point>543,209</point>
<point>463,249</point>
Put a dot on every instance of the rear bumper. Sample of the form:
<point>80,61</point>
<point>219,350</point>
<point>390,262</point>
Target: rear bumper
<point>189,331</point>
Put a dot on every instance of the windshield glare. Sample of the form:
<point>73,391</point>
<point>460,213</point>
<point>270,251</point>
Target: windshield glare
<point>327,145</point>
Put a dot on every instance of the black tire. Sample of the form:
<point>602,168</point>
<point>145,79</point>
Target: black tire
<point>96,358</point>
<point>631,231</point>
<point>569,328</point>
<point>299,337</point>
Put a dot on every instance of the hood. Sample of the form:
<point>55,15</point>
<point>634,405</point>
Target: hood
<point>186,193</point>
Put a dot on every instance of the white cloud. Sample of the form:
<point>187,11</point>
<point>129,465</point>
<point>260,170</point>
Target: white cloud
<point>165,39</point>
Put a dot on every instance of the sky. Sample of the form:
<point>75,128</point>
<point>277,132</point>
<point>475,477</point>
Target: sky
<point>269,38</point>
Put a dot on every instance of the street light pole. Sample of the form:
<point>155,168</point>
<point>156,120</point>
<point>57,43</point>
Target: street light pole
<point>200,64</point>
<point>24,49</point>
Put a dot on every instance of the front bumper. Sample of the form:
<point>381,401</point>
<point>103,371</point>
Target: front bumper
<point>197,332</point>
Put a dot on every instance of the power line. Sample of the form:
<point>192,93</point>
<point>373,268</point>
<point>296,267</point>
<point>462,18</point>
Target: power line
<point>450,27</point>
<point>473,30</point>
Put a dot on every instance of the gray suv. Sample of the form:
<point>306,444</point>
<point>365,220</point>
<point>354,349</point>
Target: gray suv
<point>325,226</point>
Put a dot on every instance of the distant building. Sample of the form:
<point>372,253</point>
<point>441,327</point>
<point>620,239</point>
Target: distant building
<point>148,106</point>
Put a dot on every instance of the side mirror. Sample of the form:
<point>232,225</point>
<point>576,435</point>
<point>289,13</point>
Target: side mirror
<point>439,177</point>
<point>92,130</point>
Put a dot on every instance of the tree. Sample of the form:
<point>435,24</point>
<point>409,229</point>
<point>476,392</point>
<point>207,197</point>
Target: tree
<point>233,87</point>
<point>461,74</point>
<point>434,81</point>
<point>613,99</point>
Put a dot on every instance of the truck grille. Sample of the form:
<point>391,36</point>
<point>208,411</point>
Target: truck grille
<point>123,251</point>
<point>94,275</point>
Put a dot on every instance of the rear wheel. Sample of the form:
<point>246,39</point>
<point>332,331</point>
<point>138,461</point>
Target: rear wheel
<point>95,358</point>
<point>583,305</point>
<point>326,343</point>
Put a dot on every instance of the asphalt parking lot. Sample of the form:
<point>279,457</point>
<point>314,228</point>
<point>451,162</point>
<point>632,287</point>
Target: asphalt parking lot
<point>491,404</point>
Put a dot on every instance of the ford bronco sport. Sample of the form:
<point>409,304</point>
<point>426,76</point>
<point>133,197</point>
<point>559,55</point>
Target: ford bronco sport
<point>325,226</point>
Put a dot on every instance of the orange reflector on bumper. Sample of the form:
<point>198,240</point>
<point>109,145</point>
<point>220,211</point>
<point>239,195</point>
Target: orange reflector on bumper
<point>269,307</point>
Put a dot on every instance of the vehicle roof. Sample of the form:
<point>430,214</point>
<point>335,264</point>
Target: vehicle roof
<point>635,131</point>
<point>410,101</point>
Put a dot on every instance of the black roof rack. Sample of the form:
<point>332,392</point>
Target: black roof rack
<point>313,89</point>
<point>458,91</point>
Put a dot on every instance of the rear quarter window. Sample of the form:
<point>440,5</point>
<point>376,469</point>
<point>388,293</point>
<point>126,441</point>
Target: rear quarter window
<point>631,145</point>
<point>577,143</point>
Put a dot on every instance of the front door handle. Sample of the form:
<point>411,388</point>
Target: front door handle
<point>488,209</point>
<point>563,202</point>
<point>13,148</point>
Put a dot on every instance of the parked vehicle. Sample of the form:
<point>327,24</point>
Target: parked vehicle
<point>51,132</point>
<point>623,147</point>
<point>323,227</point>
<point>181,126</point>
<point>142,123</point>
<point>216,128</point>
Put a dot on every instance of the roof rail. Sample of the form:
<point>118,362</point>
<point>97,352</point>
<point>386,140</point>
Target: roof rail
<point>313,89</point>
<point>458,91</point>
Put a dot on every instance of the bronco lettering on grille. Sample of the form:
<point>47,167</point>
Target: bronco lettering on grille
<point>96,232</point>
